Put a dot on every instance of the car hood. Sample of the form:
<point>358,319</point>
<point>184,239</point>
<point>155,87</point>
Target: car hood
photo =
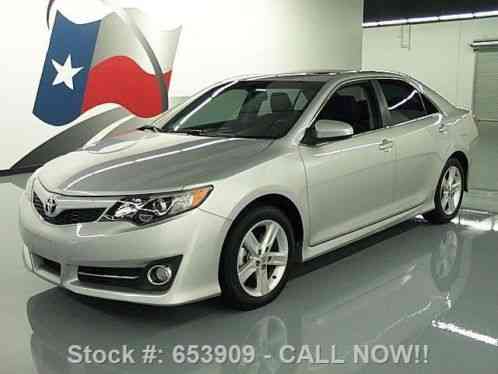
<point>146,162</point>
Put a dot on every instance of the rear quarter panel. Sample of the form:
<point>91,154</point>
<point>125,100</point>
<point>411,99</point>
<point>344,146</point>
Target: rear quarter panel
<point>462,135</point>
<point>466,132</point>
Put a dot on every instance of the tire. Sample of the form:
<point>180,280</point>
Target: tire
<point>247,290</point>
<point>445,212</point>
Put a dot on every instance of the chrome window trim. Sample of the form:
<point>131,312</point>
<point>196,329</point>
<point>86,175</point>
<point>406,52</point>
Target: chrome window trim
<point>412,121</point>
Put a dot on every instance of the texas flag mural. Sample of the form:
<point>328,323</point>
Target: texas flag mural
<point>118,60</point>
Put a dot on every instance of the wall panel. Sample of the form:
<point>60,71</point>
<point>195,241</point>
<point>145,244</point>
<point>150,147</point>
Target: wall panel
<point>220,38</point>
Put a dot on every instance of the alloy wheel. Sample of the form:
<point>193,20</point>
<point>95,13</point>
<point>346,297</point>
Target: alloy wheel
<point>451,190</point>
<point>263,258</point>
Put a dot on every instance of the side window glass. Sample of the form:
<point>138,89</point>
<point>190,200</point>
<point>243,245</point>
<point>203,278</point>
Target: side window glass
<point>354,105</point>
<point>403,101</point>
<point>429,106</point>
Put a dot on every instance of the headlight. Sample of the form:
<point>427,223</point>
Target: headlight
<point>29,185</point>
<point>144,210</point>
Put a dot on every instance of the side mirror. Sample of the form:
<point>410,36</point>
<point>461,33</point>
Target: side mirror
<point>332,130</point>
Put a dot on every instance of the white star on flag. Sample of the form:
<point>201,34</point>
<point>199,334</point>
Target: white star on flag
<point>65,73</point>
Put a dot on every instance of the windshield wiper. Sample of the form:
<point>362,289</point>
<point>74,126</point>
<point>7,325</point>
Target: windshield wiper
<point>197,132</point>
<point>191,131</point>
<point>149,128</point>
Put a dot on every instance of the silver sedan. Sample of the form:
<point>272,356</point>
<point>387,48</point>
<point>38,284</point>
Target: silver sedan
<point>225,193</point>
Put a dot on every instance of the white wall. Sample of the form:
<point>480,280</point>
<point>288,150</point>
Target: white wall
<point>232,37</point>
<point>439,55</point>
<point>220,38</point>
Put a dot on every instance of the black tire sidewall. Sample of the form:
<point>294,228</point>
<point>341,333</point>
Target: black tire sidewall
<point>232,291</point>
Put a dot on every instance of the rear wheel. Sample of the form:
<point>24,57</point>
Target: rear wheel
<point>449,194</point>
<point>256,257</point>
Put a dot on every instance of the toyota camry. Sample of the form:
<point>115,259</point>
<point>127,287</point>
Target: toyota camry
<point>224,194</point>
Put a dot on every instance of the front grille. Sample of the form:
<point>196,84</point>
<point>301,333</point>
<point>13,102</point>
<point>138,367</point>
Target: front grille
<point>70,216</point>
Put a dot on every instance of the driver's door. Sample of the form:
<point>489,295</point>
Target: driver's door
<point>350,182</point>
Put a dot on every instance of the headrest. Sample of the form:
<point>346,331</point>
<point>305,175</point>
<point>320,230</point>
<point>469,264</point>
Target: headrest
<point>254,102</point>
<point>280,102</point>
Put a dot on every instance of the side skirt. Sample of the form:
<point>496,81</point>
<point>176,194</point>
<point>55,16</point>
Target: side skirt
<point>334,244</point>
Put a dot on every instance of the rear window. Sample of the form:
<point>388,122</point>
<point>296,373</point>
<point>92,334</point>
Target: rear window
<point>403,101</point>
<point>430,108</point>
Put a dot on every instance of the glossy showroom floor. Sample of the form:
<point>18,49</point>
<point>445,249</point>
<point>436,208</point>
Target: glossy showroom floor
<point>413,284</point>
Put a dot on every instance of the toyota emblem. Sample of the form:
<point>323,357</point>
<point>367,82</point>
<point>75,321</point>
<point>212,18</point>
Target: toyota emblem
<point>50,206</point>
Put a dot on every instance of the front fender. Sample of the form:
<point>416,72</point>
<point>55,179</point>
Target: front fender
<point>283,175</point>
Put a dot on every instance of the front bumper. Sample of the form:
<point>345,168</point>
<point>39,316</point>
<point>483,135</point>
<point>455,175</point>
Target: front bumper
<point>197,237</point>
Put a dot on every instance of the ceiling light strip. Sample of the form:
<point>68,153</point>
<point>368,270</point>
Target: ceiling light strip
<point>492,13</point>
<point>484,43</point>
<point>447,17</point>
<point>393,22</point>
<point>423,19</point>
<point>452,17</point>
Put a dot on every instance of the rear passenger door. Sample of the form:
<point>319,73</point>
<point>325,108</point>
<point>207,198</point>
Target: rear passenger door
<point>409,124</point>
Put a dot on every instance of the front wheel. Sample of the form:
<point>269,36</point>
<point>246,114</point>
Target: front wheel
<point>449,194</point>
<point>256,257</point>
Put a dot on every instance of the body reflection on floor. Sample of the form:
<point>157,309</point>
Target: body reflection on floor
<point>402,286</point>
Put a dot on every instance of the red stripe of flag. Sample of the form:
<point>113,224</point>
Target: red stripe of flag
<point>122,81</point>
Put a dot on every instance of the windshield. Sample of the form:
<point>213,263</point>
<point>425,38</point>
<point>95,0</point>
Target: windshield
<point>247,109</point>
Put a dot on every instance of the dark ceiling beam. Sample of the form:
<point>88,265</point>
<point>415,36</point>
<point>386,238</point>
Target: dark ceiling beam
<point>380,10</point>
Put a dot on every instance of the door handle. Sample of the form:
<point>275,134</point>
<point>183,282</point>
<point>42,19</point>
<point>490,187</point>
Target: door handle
<point>443,129</point>
<point>386,145</point>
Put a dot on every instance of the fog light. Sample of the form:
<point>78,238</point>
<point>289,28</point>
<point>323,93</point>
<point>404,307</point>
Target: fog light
<point>159,275</point>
